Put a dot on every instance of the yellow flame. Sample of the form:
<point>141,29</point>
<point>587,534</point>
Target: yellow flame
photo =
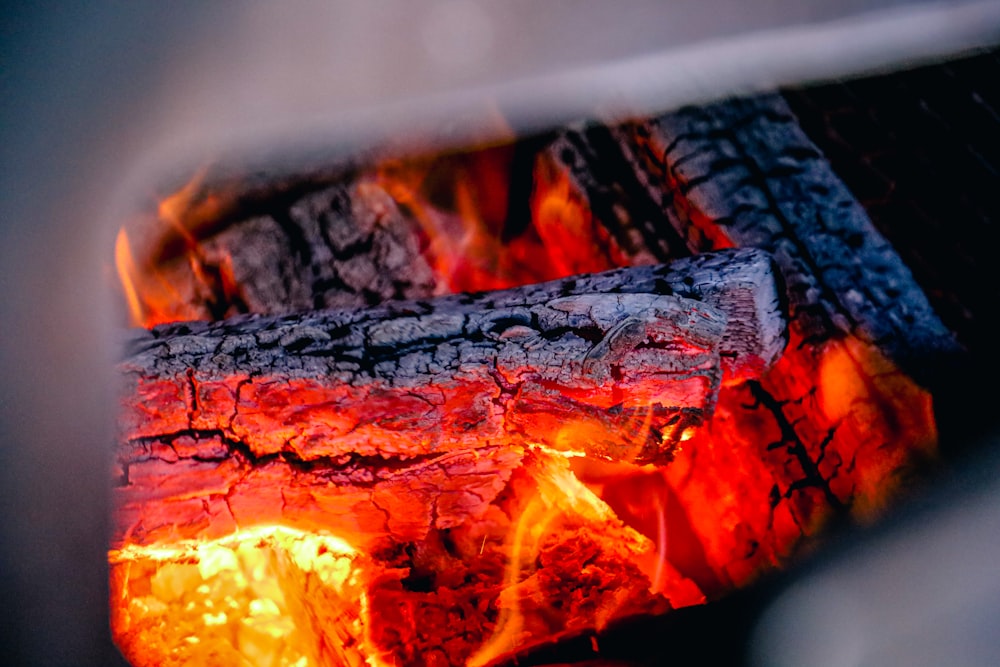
<point>125,265</point>
<point>531,526</point>
<point>559,494</point>
<point>231,600</point>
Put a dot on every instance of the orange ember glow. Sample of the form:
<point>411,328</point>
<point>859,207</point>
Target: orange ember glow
<point>476,242</point>
<point>270,595</point>
<point>437,558</point>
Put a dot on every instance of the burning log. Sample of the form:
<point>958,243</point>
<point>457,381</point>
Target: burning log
<point>838,423</point>
<point>306,246</point>
<point>541,558</point>
<point>743,173</point>
<point>427,379</point>
<point>538,364</point>
<point>391,444</point>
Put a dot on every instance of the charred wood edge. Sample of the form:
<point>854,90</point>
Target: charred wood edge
<point>745,166</point>
<point>741,283</point>
<point>591,334</point>
<point>620,196</point>
<point>524,359</point>
<point>225,198</point>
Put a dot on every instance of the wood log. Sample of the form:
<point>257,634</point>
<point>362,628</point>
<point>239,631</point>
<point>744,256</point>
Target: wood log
<point>440,583</point>
<point>306,246</point>
<point>839,423</point>
<point>425,381</point>
<point>743,173</point>
<point>551,363</point>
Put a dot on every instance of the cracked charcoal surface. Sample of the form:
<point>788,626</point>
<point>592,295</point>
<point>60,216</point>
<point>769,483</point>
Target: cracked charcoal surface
<point>742,172</point>
<point>748,166</point>
<point>740,283</point>
<point>340,246</point>
<point>353,383</point>
<point>202,485</point>
<point>920,151</point>
<point>846,420</point>
<point>469,379</point>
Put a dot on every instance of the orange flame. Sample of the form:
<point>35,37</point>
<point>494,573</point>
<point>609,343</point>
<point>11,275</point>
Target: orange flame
<point>149,294</point>
<point>151,285</point>
<point>571,240</point>
<point>560,497</point>
<point>125,264</point>
<point>475,241</point>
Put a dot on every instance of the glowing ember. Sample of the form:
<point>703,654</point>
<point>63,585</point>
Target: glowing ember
<point>240,598</point>
<point>278,596</point>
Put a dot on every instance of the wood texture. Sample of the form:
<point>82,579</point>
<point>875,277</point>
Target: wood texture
<point>612,365</point>
<point>458,371</point>
<point>742,173</point>
<point>339,245</point>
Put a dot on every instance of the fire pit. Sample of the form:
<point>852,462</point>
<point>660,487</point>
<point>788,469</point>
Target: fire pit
<point>424,419</point>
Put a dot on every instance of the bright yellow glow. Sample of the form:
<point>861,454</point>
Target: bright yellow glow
<point>228,601</point>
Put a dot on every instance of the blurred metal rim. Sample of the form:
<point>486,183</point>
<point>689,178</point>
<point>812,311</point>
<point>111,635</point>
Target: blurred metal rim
<point>100,100</point>
<point>922,591</point>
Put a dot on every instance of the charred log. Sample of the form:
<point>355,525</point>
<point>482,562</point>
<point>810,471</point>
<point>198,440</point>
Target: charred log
<point>619,373</point>
<point>742,173</point>
<point>535,558</point>
<point>836,424</point>
<point>314,246</point>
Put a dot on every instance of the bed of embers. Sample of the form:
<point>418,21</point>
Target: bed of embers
<point>459,407</point>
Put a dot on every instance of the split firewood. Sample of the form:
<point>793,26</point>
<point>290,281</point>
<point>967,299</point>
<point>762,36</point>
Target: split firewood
<point>604,353</point>
<point>308,245</point>
<point>743,173</point>
<point>412,415</point>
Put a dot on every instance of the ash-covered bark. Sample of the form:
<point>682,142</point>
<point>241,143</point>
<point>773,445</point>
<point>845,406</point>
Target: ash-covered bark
<point>610,364</point>
<point>343,245</point>
<point>743,173</point>
<point>743,283</point>
<point>627,197</point>
<point>578,372</point>
<point>748,167</point>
